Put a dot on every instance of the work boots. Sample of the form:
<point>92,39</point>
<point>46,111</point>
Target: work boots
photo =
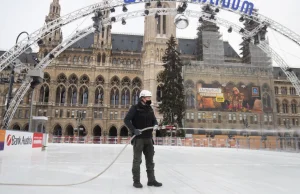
<point>151,179</point>
<point>154,183</point>
<point>137,184</point>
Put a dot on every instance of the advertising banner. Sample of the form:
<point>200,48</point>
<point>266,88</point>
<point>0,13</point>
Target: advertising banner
<point>37,140</point>
<point>18,140</point>
<point>215,97</point>
<point>2,139</point>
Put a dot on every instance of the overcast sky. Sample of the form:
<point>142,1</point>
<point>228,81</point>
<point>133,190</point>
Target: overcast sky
<point>29,15</point>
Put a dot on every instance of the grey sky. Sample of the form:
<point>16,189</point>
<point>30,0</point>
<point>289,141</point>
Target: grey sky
<point>29,15</point>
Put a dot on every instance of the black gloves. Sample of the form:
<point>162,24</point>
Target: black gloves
<point>137,132</point>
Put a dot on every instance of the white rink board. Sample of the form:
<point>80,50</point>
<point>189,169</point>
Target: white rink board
<point>181,169</point>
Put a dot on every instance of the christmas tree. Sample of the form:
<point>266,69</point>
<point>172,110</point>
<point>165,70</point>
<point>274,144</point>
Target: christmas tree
<point>172,90</point>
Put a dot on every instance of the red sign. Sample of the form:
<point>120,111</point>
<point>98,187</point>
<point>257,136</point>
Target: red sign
<point>8,140</point>
<point>37,140</point>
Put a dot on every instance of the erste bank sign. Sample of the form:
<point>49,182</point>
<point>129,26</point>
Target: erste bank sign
<point>244,6</point>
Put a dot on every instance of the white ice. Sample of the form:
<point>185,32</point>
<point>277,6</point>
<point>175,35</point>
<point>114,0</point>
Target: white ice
<point>181,170</point>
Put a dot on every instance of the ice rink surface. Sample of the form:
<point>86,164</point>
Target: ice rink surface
<point>184,170</point>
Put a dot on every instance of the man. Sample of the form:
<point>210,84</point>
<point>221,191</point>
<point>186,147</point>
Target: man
<point>141,116</point>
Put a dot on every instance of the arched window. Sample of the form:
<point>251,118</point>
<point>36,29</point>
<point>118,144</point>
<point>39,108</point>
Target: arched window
<point>72,95</point>
<point>84,95</point>
<point>99,58</point>
<point>294,107</point>
<point>285,106</point>
<point>124,132</point>
<point>103,58</point>
<point>114,97</point>
<point>99,96</point>
<point>44,94</point>
<point>125,97</point>
<point>114,61</point>
<point>73,79</point>
<point>138,64</point>
<point>61,78</point>
<point>60,94</point>
<point>135,96</point>
<point>292,91</point>
<point>100,80</point>
<point>284,90</point>
<point>190,100</point>
<point>75,59</point>
<point>84,80</point>
<point>266,100</point>
<point>86,59</point>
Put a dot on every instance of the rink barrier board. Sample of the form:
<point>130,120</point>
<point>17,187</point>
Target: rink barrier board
<point>221,141</point>
<point>13,141</point>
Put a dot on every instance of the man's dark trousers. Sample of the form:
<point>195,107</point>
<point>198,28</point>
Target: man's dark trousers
<point>143,145</point>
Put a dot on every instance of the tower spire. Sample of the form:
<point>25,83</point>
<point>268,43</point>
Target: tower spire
<point>54,11</point>
<point>54,38</point>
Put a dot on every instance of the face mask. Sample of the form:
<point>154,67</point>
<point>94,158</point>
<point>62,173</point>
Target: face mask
<point>148,102</point>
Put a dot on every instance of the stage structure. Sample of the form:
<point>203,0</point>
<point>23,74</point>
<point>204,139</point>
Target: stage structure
<point>99,21</point>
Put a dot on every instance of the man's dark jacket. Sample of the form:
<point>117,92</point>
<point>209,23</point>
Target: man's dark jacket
<point>140,116</point>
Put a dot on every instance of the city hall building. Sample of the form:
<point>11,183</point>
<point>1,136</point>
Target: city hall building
<point>93,83</point>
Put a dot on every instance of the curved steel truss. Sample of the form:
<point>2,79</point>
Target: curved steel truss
<point>130,15</point>
<point>33,38</point>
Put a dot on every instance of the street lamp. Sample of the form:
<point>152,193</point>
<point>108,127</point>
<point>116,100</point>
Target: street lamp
<point>12,73</point>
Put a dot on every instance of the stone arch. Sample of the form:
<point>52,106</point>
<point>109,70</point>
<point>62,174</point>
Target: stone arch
<point>97,131</point>
<point>83,132</point>
<point>57,130</point>
<point>69,130</point>
<point>137,82</point>
<point>113,132</point>
<point>124,132</point>
<point>26,127</point>
<point>126,82</point>
<point>100,80</point>
<point>47,78</point>
<point>189,84</point>
<point>16,127</point>
<point>159,76</point>
<point>73,79</point>
<point>115,81</point>
<point>61,78</point>
<point>84,79</point>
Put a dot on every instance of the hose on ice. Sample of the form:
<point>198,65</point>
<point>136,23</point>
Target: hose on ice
<point>79,183</point>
